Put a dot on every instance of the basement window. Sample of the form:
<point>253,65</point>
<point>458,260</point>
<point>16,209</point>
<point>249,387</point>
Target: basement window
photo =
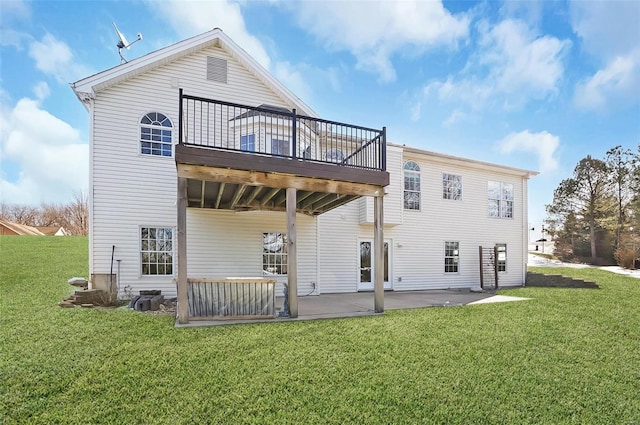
<point>274,254</point>
<point>156,251</point>
<point>502,257</point>
<point>451,257</point>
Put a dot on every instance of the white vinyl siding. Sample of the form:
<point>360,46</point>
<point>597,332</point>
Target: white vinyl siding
<point>418,241</point>
<point>393,194</point>
<point>229,244</point>
<point>131,190</point>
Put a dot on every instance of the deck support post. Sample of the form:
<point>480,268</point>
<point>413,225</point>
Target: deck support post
<point>378,250</point>
<point>183,290</point>
<point>292,253</point>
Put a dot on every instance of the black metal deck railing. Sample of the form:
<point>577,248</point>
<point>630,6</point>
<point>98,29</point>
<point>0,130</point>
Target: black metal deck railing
<point>276,131</point>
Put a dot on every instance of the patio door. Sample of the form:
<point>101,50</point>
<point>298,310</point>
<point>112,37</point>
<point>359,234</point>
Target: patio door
<point>367,266</point>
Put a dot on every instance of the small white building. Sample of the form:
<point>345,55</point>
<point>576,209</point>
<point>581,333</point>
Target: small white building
<point>203,165</point>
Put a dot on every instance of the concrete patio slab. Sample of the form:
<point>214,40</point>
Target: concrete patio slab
<point>332,306</point>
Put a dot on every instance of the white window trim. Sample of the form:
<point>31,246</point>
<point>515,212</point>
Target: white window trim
<point>501,200</point>
<point>286,254</point>
<point>417,172</point>
<point>506,258</point>
<point>461,187</point>
<point>173,135</point>
<point>444,257</point>
<point>173,253</point>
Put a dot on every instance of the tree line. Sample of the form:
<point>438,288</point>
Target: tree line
<point>595,213</point>
<point>73,216</point>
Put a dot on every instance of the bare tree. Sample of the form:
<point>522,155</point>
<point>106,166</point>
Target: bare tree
<point>77,212</point>
<point>74,216</point>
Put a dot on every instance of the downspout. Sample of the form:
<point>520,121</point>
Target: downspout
<point>525,228</point>
<point>91,106</point>
<point>316,218</point>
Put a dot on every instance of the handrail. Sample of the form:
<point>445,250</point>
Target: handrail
<point>276,131</point>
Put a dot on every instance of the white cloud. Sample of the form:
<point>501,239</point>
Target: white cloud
<point>455,117</point>
<point>521,60</point>
<point>610,32</point>
<point>41,90</point>
<point>607,29</point>
<point>374,31</point>
<point>54,57</point>
<point>618,82</point>
<point>51,157</point>
<point>542,144</point>
<point>511,66</point>
<point>189,18</point>
<point>416,111</point>
<point>12,11</point>
<point>297,78</point>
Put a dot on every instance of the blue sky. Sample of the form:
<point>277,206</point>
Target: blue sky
<point>535,85</point>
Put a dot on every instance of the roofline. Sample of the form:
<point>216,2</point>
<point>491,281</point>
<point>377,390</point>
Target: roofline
<point>466,161</point>
<point>87,88</point>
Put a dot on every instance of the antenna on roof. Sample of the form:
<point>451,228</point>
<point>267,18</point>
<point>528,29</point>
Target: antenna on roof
<point>123,43</point>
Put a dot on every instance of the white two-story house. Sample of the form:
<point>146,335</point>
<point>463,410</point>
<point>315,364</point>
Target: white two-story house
<point>203,165</point>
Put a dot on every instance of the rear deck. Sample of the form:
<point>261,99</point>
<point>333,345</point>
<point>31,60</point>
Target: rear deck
<point>245,158</point>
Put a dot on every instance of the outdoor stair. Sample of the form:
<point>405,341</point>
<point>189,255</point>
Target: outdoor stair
<point>557,281</point>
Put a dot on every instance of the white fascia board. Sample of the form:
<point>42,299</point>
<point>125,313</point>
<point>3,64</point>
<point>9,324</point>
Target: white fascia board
<point>466,162</point>
<point>89,86</point>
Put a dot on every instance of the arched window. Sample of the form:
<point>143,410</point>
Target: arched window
<point>155,135</point>
<point>411,186</point>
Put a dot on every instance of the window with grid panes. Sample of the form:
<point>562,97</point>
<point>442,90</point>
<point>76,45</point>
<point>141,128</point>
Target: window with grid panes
<point>500,199</point>
<point>451,257</point>
<point>274,253</point>
<point>156,250</point>
<point>411,186</point>
<point>451,187</point>
<point>155,135</point>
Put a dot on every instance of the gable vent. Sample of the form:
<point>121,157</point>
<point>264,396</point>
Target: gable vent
<point>216,69</point>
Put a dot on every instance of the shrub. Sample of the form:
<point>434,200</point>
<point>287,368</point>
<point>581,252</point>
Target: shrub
<point>626,257</point>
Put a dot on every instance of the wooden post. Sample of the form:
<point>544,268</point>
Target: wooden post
<point>495,264</point>
<point>183,295</point>
<point>292,253</point>
<point>481,267</point>
<point>378,250</point>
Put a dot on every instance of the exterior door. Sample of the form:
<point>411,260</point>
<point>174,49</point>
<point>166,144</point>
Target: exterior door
<point>366,266</point>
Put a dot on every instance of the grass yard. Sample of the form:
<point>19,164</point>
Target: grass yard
<point>570,356</point>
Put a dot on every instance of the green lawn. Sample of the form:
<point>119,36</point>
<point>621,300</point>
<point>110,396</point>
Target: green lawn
<point>568,356</point>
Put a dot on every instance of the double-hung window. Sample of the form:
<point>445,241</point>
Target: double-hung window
<point>451,187</point>
<point>451,256</point>
<point>155,135</point>
<point>502,256</point>
<point>274,254</point>
<point>156,250</point>
<point>411,186</point>
<point>500,199</point>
